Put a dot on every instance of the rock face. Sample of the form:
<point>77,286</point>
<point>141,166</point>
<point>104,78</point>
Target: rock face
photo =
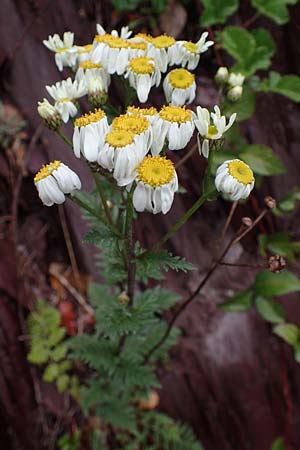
<point>235,383</point>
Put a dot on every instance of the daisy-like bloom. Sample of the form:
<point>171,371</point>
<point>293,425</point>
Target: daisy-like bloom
<point>211,127</point>
<point>142,74</point>
<point>161,50</point>
<point>89,134</point>
<point>187,53</point>
<point>156,183</point>
<point>49,114</point>
<point>65,51</point>
<point>139,126</point>
<point>112,52</point>
<point>125,32</point>
<point>234,178</point>
<point>83,52</point>
<point>122,154</point>
<point>55,180</point>
<point>65,93</point>
<point>137,49</point>
<point>236,79</point>
<point>174,123</point>
<point>150,113</point>
<point>87,70</point>
<point>179,87</point>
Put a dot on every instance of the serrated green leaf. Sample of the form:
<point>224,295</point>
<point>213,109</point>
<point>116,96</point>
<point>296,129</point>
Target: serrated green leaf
<point>287,85</point>
<point>239,302</point>
<point>217,11</point>
<point>269,310</point>
<point>262,160</point>
<point>289,332</point>
<point>51,373</point>
<point>97,236</point>
<point>59,352</point>
<point>39,354</point>
<point>238,42</point>
<point>268,284</point>
<point>274,9</point>
<point>62,383</point>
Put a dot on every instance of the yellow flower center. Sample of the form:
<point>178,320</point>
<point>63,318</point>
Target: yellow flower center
<point>112,41</point>
<point>155,171</point>
<point>181,78</point>
<point>142,65</point>
<point>84,48</point>
<point>240,171</point>
<point>91,117</point>
<point>212,131</point>
<point>138,46</point>
<point>190,47</point>
<point>144,36</point>
<point>118,138</point>
<point>64,100</point>
<point>46,170</point>
<point>136,111</point>
<point>163,41</point>
<point>62,49</point>
<point>133,124</point>
<point>175,114</point>
<point>88,64</point>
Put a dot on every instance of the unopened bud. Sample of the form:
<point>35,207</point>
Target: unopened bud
<point>276,263</point>
<point>236,79</point>
<point>109,204</point>
<point>270,202</point>
<point>51,117</point>
<point>150,403</point>
<point>123,298</point>
<point>235,93</point>
<point>96,94</point>
<point>222,75</point>
<point>247,221</point>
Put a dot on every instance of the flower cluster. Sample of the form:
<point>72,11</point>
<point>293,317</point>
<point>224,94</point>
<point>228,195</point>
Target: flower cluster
<point>133,145</point>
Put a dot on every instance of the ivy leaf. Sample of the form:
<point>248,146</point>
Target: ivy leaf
<point>287,85</point>
<point>268,284</point>
<point>240,302</point>
<point>217,11</point>
<point>289,332</point>
<point>269,310</point>
<point>274,9</point>
<point>262,160</point>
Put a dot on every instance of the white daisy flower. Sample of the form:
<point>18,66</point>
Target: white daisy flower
<point>124,34</point>
<point>211,127</point>
<point>65,51</point>
<point>156,183</point>
<point>174,123</point>
<point>137,49</point>
<point>49,114</point>
<point>89,134</point>
<point>161,50</point>
<point>142,74</point>
<point>179,87</point>
<point>64,93</point>
<point>234,178</point>
<point>87,70</point>
<point>151,113</point>
<point>112,52</point>
<point>55,180</point>
<point>138,125</point>
<point>187,54</point>
<point>83,52</point>
<point>122,154</point>
<point>236,79</point>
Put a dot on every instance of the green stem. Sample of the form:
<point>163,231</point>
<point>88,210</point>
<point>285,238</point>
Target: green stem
<point>130,247</point>
<point>103,198</point>
<point>181,221</point>
<point>64,138</point>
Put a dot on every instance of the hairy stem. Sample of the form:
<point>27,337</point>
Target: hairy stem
<point>103,198</point>
<point>64,138</point>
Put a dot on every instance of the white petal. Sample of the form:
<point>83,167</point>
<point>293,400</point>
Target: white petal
<point>76,142</point>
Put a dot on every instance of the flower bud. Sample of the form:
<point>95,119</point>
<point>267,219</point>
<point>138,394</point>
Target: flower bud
<point>236,79</point>
<point>222,75</point>
<point>123,298</point>
<point>247,221</point>
<point>276,263</point>
<point>235,93</point>
<point>96,94</point>
<point>270,202</point>
<point>150,403</point>
<point>49,114</point>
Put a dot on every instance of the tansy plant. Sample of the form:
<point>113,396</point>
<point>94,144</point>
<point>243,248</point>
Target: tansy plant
<point>129,151</point>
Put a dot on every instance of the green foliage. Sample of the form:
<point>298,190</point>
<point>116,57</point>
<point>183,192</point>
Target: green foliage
<point>262,160</point>
<point>70,441</point>
<point>47,346</point>
<point>244,108</point>
<point>152,264</point>
<point>287,85</point>
<point>279,244</point>
<point>239,302</point>
<point>290,333</point>
<point>217,11</point>
<point>125,5</point>
<point>251,50</point>
<point>269,310</point>
<point>288,203</point>
<point>274,9</point>
<point>278,444</point>
<point>268,284</point>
